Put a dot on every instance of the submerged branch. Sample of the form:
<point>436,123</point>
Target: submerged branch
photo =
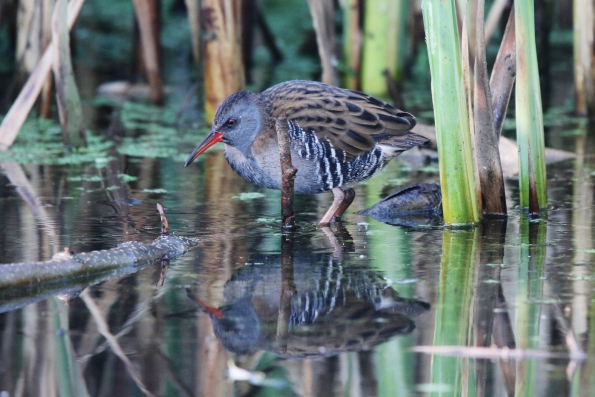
<point>64,266</point>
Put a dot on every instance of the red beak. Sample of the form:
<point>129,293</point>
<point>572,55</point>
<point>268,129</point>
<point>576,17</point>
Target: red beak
<point>209,141</point>
<point>210,310</point>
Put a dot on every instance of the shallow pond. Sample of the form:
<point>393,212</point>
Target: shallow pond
<point>358,309</point>
<point>325,311</point>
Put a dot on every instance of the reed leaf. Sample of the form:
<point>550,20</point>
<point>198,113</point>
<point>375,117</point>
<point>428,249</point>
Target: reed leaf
<point>583,57</point>
<point>450,112</point>
<point>503,75</point>
<point>193,8</point>
<point>529,114</point>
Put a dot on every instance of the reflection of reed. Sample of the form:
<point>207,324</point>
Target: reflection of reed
<point>103,328</point>
<point>490,253</point>
<point>28,193</point>
<point>217,257</point>
<point>583,238</point>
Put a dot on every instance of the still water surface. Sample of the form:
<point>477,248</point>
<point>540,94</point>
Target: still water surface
<point>325,311</point>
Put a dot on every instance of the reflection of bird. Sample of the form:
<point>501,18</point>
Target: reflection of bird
<point>338,137</point>
<point>334,308</point>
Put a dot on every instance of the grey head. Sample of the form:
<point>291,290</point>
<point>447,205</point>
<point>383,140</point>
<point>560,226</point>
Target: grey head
<point>237,122</point>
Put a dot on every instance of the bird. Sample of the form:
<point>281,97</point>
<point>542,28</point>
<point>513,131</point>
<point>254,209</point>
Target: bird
<point>338,137</point>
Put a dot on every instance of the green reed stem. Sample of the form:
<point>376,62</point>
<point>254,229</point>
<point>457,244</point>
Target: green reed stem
<point>385,29</point>
<point>529,114</point>
<point>451,114</point>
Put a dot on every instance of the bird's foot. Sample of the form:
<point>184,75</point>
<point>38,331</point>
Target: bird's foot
<point>342,201</point>
<point>348,196</point>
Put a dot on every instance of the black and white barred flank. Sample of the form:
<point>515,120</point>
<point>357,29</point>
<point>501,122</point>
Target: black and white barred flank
<point>332,169</point>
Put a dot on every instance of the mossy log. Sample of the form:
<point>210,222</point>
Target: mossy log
<point>66,266</point>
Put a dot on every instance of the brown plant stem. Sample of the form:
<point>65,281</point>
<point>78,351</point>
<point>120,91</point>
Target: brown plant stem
<point>147,16</point>
<point>322,12</point>
<point>487,156</point>
<point>288,172</point>
<point>164,222</point>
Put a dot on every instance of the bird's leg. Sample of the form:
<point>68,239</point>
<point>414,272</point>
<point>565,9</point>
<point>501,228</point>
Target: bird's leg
<point>349,195</point>
<point>339,197</point>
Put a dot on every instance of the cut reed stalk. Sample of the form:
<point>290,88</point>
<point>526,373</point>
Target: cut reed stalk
<point>29,34</point>
<point>385,28</point>
<point>193,8</point>
<point>147,16</point>
<point>46,92</point>
<point>451,113</point>
<point>323,12</point>
<point>70,108</point>
<point>222,49</point>
<point>583,57</point>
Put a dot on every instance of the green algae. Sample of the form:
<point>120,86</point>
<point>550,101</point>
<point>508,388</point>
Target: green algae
<point>40,142</point>
<point>150,131</point>
<point>248,196</point>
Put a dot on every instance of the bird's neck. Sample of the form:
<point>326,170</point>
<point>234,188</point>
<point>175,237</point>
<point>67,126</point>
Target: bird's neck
<point>263,123</point>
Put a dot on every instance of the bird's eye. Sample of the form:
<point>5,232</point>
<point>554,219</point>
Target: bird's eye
<point>231,122</point>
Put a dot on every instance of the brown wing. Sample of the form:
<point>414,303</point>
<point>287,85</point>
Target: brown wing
<point>351,120</point>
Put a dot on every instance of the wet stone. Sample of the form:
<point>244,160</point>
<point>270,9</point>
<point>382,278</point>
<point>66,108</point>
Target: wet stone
<point>415,205</point>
